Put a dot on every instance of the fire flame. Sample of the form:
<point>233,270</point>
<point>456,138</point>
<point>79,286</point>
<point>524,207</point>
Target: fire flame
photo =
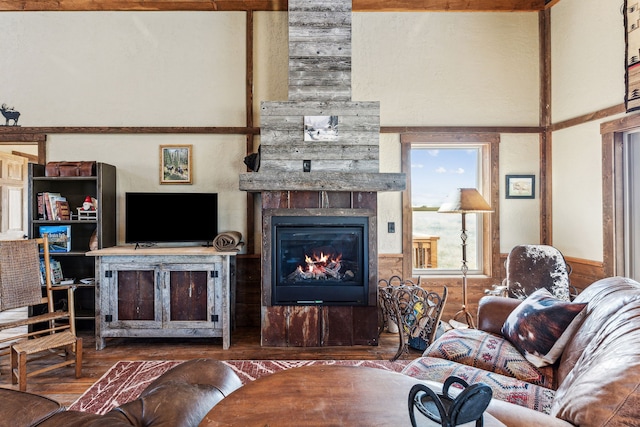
<point>320,266</point>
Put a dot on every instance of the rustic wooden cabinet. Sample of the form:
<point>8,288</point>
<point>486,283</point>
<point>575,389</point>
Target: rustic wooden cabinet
<point>164,292</point>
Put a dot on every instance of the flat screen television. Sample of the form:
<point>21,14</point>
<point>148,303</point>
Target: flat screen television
<point>171,217</point>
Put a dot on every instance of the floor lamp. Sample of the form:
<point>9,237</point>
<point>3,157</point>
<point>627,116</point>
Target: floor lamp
<point>464,201</point>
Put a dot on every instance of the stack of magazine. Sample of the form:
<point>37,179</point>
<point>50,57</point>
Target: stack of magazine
<point>56,271</point>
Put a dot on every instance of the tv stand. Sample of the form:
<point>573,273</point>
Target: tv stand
<point>164,292</point>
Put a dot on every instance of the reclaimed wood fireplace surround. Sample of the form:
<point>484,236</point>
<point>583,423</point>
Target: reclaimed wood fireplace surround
<point>319,178</point>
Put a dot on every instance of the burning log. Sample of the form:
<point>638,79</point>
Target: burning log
<point>322,267</point>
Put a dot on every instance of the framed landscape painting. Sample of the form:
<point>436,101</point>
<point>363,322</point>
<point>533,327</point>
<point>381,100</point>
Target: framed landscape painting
<point>175,164</point>
<point>520,186</point>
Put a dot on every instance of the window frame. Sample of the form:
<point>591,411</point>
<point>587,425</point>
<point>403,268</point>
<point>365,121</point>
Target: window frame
<point>489,174</point>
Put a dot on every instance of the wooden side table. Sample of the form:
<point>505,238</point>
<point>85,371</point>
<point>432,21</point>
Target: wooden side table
<point>322,396</point>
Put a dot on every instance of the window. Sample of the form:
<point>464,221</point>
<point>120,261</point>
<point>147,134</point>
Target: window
<point>435,165</point>
<point>436,171</point>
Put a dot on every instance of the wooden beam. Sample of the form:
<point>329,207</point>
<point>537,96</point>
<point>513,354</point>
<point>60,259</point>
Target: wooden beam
<point>14,131</point>
<point>544,34</point>
<point>143,5</point>
<point>322,181</point>
<point>447,5</point>
<point>14,136</point>
<point>271,5</point>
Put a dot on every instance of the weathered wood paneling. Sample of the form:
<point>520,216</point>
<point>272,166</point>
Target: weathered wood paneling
<point>248,291</point>
<point>283,148</point>
<point>319,39</point>
<point>323,181</point>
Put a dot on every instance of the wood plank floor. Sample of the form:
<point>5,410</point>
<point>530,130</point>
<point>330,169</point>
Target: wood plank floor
<point>61,384</point>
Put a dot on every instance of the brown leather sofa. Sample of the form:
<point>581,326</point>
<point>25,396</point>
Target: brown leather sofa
<point>181,397</point>
<point>596,381</point>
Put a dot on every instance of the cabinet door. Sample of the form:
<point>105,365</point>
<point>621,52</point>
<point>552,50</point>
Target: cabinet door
<point>136,295</point>
<point>133,296</point>
<point>190,296</point>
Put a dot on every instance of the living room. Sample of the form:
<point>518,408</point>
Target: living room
<point>121,81</point>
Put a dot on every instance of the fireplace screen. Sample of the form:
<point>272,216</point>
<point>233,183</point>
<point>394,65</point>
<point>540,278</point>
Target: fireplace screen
<point>320,260</point>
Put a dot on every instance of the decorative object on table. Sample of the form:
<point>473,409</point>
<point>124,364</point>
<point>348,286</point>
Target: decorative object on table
<point>464,201</point>
<point>520,187</point>
<point>67,168</point>
<point>228,241</point>
<point>175,164</point>
<point>450,411</point>
<point>9,114</point>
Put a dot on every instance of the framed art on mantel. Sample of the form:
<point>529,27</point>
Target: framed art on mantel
<point>520,186</point>
<point>175,164</point>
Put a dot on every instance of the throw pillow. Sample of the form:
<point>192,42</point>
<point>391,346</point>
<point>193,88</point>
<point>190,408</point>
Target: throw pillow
<point>541,326</point>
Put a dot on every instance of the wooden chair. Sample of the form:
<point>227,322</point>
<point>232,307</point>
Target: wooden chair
<point>416,311</point>
<point>51,331</point>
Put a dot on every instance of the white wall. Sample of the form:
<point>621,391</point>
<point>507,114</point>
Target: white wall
<point>448,69</point>
<point>519,218</point>
<point>124,69</point>
<point>187,69</point>
<point>587,75</point>
<point>217,162</point>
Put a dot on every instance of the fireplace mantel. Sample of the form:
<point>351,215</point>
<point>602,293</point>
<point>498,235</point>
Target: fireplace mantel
<point>322,181</point>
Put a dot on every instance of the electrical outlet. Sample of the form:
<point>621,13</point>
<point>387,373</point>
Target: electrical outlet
<point>391,227</point>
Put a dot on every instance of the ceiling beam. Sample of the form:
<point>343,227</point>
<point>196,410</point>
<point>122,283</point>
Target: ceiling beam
<point>271,5</point>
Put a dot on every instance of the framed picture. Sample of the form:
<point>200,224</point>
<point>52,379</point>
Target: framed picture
<point>175,164</point>
<point>521,186</point>
<point>320,128</point>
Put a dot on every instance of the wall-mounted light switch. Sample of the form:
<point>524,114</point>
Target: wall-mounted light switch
<point>391,227</point>
<point>306,165</point>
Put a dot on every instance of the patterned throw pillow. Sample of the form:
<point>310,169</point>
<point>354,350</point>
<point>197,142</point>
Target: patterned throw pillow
<point>541,326</point>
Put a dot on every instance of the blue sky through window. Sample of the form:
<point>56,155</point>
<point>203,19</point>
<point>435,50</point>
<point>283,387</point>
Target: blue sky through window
<point>435,172</point>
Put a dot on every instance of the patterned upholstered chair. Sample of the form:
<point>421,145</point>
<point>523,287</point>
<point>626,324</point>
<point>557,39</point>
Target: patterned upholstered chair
<point>531,267</point>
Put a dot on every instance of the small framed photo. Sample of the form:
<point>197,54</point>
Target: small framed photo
<point>175,164</point>
<point>320,128</point>
<point>520,186</point>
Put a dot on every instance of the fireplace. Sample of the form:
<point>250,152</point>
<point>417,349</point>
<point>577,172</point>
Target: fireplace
<point>320,260</point>
<point>332,183</point>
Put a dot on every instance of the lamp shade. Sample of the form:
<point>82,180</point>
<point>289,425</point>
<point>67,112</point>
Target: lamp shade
<point>465,200</point>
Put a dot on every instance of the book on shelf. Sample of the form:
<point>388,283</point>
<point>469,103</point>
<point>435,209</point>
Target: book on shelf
<point>41,208</point>
<point>59,237</point>
<point>53,207</point>
<point>56,271</point>
<point>62,210</point>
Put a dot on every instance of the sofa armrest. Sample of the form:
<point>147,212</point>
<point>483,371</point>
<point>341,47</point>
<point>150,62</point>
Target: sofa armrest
<point>518,416</point>
<point>493,311</point>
